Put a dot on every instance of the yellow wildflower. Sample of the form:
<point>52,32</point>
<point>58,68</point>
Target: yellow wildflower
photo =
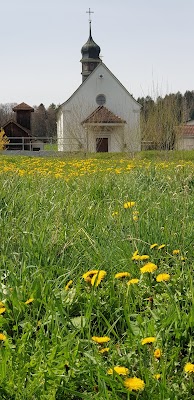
<point>176,251</point>
<point>153,245</point>
<point>119,370</point>
<point>68,284</point>
<point>89,274</point>
<point>97,278</point>
<point>148,340</point>
<point>157,353</point>
<point>121,275</point>
<point>149,267</point>
<point>100,339</point>
<point>135,256</point>
<point>114,213</point>
<point>104,350</point>
<point>129,204</point>
<point>133,281</point>
<point>134,384</point>
<point>2,337</point>
<point>157,376</point>
<point>143,257</point>
<point>2,310</point>
<point>163,277</point>
<point>161,246</point>
<point>189,367</point>
<point>30,300</point>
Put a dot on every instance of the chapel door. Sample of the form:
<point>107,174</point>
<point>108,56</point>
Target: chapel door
<point>102,145</point>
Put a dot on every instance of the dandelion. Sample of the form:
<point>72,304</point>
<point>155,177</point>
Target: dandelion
<point>104,350</point>
<point>118,370</point>
<point>157,353</point>
<point>153,245</point>
<point>189,368</point>
<point>163,277</point>
<point>157,376</point>
<point>134,384</point>
<point>97,278</point>
<point>148,340</point>
<point>161,246</point>
<point>144,257</point>
<point>175,252</point>
<point>100,339</point>
<point>133,281</point>
<point>129,204</point>
<point>149,267</point>
<point>2,337</point>
<point>135,256</point>
<point>89,274</point>
<point>121,275</point>
<point>135,216</point>
<point>114,213</point>
<point>68,284</point>
<point>30,300</point>
<point>2,310</point>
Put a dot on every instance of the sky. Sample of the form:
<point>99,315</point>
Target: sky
<point>147,45</point>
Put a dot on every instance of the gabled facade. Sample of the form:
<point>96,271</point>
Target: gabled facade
<point>101,115</point>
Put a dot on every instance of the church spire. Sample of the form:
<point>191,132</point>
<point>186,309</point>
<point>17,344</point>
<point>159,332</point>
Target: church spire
<point>90,53</point>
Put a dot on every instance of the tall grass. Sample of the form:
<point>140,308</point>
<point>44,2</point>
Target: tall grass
<point>52,231</point>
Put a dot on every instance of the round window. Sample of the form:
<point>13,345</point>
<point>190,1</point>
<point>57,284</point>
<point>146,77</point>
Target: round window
<point>101,99</point>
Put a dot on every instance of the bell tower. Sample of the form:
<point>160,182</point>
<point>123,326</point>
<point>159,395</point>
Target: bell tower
<point>90,53</point>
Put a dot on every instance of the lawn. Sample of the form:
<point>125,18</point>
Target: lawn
<point>96,290</point>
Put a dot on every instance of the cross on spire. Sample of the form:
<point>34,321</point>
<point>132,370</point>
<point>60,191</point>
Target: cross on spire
<point>90,12</point>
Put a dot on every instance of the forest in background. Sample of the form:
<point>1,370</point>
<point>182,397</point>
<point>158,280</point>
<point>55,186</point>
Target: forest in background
<point>160,118</point>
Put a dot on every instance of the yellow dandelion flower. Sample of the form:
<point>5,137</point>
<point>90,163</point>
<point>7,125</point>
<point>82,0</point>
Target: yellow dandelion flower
<point>68,284</point>
<point>144,257</point>
<point>30,300</point>
<point>189,368</point>
<point>135,218</point>
<point>100,339</point>
<point>104,350</point>
<point>2,310</point>
<point>134,384</point>
<point>161,246</point>
<point>89,274</point>
<point>153,245</point>
<point>136,258</point>
<point>121,275</point>
<point>129,204</point>
<point>157,353</point>
<point>114,213</point>
<point>133,281</point>
<point>157,376</point>
<point>97,278</point>
<point>2,337</point>
<point>119,370</point>
<point>163,277</point>
<point>175,252</point>
<point>149,267</point>
<point>148,340</point>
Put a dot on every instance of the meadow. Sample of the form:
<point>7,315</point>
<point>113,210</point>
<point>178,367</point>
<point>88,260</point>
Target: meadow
<point>96,288</point>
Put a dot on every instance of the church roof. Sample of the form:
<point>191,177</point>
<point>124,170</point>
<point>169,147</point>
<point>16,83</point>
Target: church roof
<point>90,49</point>
<point>103,116</point>
<point>89,77</point>
<point>23,107</point>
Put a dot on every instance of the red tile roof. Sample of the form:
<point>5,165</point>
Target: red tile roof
<point>187,130</point>
<point>23,106</point>
<point>103,116</point>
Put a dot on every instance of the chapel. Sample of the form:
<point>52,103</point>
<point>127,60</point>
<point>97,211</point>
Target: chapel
<point>101,115</point>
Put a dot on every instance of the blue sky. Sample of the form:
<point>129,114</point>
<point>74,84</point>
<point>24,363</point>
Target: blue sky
<point>148,45</point>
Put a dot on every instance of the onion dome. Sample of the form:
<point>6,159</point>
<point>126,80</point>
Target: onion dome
<point>90,49</point>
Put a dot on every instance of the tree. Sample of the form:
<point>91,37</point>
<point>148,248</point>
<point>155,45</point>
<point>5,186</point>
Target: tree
<point>3,139</point>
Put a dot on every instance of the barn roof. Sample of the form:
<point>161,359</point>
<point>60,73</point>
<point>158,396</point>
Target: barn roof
<point>103,116</point>
<point>11,121</point>
<point>23,107</point>
<point>187,130</point>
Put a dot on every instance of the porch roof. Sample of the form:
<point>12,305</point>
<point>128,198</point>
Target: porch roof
<point>103,116</point>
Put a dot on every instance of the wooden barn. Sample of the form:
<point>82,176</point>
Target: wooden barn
<point>19,131</point>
